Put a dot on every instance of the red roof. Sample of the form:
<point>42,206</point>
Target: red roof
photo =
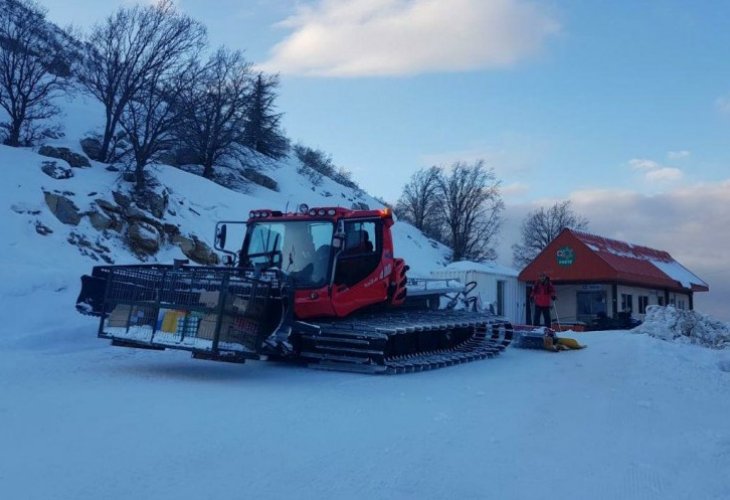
<point>578,256</point>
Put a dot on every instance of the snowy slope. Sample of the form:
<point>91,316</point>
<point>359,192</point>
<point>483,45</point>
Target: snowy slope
<point>49,263</point>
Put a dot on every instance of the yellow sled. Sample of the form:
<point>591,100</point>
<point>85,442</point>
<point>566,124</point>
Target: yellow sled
<point>561,344</point>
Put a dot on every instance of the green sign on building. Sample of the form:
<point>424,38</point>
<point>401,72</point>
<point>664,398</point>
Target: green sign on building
<point>566,256</point>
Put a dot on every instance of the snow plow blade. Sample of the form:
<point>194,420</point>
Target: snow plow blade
<point>217,313</point>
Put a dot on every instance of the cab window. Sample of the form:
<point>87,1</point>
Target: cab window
<point>360,254</point>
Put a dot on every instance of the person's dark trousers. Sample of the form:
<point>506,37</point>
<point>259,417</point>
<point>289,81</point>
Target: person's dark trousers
<point>545,312</point>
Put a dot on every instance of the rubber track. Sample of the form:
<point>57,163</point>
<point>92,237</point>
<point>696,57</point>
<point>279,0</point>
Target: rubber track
<point>359,344</point>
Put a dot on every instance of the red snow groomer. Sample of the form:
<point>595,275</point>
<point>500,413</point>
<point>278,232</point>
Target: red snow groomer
<point>321,286</point>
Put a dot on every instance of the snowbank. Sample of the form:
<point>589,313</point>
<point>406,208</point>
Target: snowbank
<point>670,323</point>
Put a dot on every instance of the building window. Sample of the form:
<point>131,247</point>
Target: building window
<point>627,302</point>
<point>660,301</point>
<point>680,304</point>
<point>590,305</point>
<point>643,302</point>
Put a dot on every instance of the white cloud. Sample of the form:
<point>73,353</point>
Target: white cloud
<point>588,196</point>
<point>654,171</point>
<point>640,164</point>
<point>723,104</point>
<point>405,37</point>
<point>669,222</point>
<point>514,190</point>
<point>678,155</point>
<point>664,174</point>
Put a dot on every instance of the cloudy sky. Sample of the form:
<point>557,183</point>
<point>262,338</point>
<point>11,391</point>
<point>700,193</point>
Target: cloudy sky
<point>621,106</point>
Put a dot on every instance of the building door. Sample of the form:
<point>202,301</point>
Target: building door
<point>590,305</point>
<point>500,298</point>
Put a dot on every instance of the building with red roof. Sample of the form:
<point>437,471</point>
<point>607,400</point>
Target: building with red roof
<point>600,277</point>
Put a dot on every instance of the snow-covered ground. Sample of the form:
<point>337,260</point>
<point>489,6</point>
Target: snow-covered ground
<point>633,416</point>
<point>630,417</point>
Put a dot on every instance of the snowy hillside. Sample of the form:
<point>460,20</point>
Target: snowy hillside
<point>37,242</point>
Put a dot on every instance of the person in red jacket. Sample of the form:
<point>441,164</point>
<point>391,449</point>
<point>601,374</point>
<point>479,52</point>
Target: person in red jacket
<point>543,293</point>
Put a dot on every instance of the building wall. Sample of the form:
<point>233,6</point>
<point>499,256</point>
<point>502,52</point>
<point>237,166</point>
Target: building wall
<point>566,303</point>
<point>486,290</point>
<point>654,296</point>
<point>568,297</point>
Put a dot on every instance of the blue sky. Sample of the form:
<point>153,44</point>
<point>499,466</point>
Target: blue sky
<point>621,106</point>
<point>569,95</point>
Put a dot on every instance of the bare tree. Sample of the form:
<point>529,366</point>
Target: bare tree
<point>263,133</point>
<point>149,120</point>
<point>419,203</point>
<point>131,48</point>
<point>471,208</point>
<point>214,109</point>
<point>27,87</point>
<point>541,226</point>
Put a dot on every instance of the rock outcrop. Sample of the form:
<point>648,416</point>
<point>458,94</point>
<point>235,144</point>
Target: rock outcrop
<point>63,208</point>
<point>76,160</point>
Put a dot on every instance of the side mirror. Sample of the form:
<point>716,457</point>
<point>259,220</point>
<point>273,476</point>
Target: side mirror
<point>221,230</point>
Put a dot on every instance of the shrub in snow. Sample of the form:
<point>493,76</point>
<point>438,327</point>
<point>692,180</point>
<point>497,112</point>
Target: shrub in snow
<point>670,323</point>
<point>724,364</point>
<point>260,179</point>
<point>316,164</point>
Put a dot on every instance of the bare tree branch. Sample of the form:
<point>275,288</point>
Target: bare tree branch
<point>541,226</point>
<point>149,120</point>
<point>131,48</point>
<point>213,109</point>
<point>460,206</point>
<point>419,204</point>
<point>27,87</point>
<point>471,208</point>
